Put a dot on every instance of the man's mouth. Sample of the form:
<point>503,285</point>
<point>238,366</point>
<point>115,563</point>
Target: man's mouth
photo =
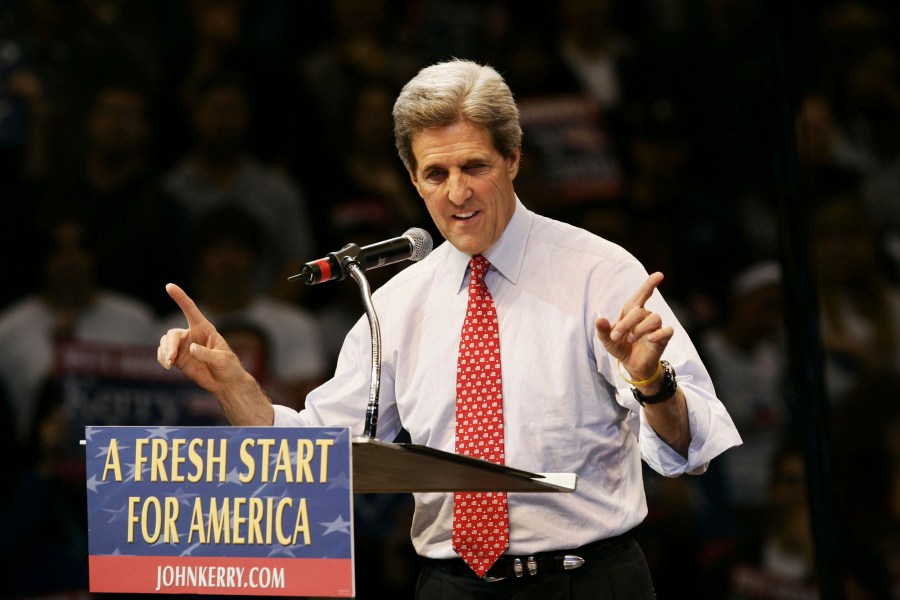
<point>465,215</point>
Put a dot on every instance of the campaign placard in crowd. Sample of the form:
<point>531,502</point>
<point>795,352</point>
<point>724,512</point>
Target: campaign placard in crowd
<point>220,510</point>
<point>109,384</point>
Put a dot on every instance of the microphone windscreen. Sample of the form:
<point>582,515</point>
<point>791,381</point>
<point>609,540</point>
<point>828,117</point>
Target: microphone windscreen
<point>422,243</point>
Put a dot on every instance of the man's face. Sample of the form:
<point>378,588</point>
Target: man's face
<point>117,123</point>
<point>221,118</point>
<point>466,184</point>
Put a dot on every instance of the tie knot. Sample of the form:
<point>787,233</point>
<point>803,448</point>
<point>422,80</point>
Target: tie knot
<point>479,266</point>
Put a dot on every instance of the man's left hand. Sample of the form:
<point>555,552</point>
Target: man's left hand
<point>638,338</point>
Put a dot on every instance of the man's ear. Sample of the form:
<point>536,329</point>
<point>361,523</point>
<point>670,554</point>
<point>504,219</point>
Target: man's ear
<point>512,163</point>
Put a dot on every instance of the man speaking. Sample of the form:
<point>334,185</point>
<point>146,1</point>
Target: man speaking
<point>521,340</point>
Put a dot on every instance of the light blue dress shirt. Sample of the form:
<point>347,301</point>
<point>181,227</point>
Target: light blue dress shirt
<point>566,409</point>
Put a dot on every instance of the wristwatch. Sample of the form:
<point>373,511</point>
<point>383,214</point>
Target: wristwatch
<point>667,390</point>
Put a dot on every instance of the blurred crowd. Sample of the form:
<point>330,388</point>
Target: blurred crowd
<point>220,144</point>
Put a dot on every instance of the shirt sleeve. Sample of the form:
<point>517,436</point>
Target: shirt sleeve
<point>343,400</point>
<point>712,432</point>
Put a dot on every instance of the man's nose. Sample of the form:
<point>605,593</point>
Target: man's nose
<point>458,188</point>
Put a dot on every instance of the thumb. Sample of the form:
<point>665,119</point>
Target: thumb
<point>201,353</point>
<point>604,328</point>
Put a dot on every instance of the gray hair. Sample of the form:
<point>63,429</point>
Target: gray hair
<point>452,91</point>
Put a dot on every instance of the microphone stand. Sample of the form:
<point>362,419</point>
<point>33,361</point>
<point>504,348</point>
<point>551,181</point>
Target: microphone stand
<point>358,275</point>
<point>348,260</point>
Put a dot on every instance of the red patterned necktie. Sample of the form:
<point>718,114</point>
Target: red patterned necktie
<point>480,519</point>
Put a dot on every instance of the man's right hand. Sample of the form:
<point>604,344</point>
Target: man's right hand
<point>202,354</point>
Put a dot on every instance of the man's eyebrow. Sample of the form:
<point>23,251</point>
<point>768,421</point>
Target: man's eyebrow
<point>428,166</point>
<point>466,161</point>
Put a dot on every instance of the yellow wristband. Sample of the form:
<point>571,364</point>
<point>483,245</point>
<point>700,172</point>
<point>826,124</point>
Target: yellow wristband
<point>648,381</point>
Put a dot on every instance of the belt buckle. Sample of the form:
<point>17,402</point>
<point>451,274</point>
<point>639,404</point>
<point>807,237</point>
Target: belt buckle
<point>491,579</point>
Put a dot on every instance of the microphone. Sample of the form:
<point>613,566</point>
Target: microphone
<point>414,245</point>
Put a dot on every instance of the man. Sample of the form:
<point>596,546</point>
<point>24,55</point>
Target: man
<point>566,403</point>
<point>112,185</point>
<point>70,305</point>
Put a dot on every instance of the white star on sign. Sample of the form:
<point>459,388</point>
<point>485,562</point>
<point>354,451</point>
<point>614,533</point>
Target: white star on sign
<point>339,525</point>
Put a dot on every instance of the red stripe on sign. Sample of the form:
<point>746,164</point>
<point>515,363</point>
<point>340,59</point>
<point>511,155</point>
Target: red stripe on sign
<point>222,576</point>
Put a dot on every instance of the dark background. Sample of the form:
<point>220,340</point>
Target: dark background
<point>740,134</point>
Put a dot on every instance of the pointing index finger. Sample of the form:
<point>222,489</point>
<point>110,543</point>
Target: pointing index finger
<point>191,312</point>
<point>646,290</point>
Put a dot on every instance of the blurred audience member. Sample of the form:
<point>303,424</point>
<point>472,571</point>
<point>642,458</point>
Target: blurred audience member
<point>25,118</point>
<point>867,459</point>
<point>51,55</point>
<point>475,29</point>
<point>860,305</point>
<point>112,185</point>
<point>58,49</point>
<point>861,88</point>
<point>777,561</point>
<point>69,306</point>
<point>220,170</point>
<point>391,567</point>
<point>571,66</point>
<point>672,535</point>
<point>362,48</point>
<point>745,356</point>
<point>46,515</point>
<point>199,38</point>
<point>660,195</point>
<point>819,147</point>
<point>722,85</point>
<point>228,245</point>
<point>860,79</point>
<point>596,51</point>
<point>374,185</point>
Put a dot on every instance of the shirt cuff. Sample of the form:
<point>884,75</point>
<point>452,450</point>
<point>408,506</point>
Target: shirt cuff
<point>286,416</point>
<point>708,439</point>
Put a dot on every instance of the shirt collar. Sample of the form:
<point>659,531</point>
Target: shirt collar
<point>507,255</point>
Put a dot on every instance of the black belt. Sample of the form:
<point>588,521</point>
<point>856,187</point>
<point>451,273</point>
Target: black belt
<point>538,563</point>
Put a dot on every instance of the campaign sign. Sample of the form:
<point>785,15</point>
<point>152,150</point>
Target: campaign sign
<point>118,384</point>
<point>220,510</point>
<point>577,155</point>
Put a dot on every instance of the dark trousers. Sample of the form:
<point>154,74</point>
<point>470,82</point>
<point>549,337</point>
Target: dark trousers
<point>620,574</point>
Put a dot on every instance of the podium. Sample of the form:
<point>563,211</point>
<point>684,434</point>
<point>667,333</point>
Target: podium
<point>381,467</point>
